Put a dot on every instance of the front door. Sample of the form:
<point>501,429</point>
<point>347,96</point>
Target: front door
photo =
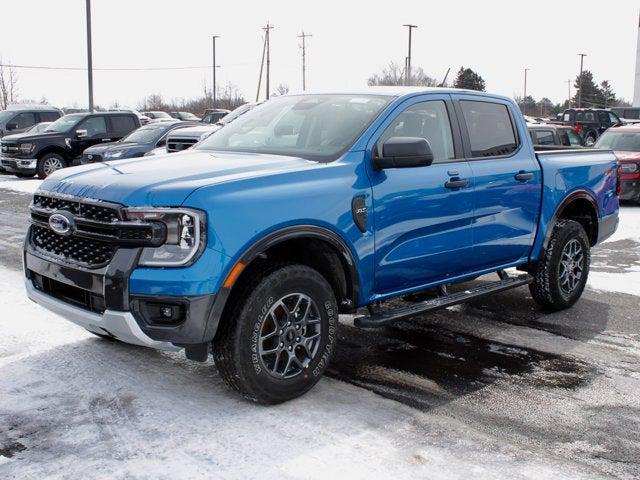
<point>507,182</point>
<point>94,130</point>
<point>422,215</point>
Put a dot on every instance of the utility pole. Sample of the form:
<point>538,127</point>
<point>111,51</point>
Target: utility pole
<point>581,55</point>
<point>303,36</point>
<point>569,93</point>
<point>408,72</point>
<point>524,96</point>
<point>267,29</point>
<point>89,55</point>
<point>264,49</point>
<point>213,92</point>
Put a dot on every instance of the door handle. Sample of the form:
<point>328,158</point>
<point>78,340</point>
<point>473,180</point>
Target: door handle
<point>523,176</point>
<point>456,183</point>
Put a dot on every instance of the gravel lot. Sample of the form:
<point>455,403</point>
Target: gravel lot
<point>492,389</point>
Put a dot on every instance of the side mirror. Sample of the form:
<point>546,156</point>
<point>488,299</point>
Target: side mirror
<point>11,126</point>
<point>283,130</point>
<point>404,152</point>
<point>81,133</point>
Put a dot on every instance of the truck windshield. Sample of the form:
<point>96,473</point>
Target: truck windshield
<point>623,141</point>
<point>66,123</point>
<point>314,127</point>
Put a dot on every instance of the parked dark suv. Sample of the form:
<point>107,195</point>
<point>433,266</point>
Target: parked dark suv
<point>17,119</point>
<point>590,123</point>
<point>64,141</point>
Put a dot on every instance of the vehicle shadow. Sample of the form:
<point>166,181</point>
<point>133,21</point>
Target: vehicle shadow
<point>430,360</point>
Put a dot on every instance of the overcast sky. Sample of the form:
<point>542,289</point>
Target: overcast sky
<point>351,40</point>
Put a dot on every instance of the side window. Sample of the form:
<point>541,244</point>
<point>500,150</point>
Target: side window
<point>122,124</point>
<point>580,117</point>
<point>567,117</point>
<point>95,126</point>
<point>24,120</point>
<point>490,129</point>
<point>613,118</point>
<point>49,116</point>
<point>574,138</point>
<point>604,117</point>
<point>545,137</point>
<point>428,120</point>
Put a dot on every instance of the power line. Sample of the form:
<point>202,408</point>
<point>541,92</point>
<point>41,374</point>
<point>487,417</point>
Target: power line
<point>115,69</point>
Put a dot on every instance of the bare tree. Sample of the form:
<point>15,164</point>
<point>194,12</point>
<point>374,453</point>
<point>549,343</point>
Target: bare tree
<point>281,89</point>
<point>8,85</point>
<point>394,75</point>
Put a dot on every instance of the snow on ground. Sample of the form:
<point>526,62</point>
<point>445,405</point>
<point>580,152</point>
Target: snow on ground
<point>619,274</point>
<point>26,185</point>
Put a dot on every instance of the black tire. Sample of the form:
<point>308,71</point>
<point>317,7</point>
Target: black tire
<point>43,170</point>
<point>244,333</point>
<point>24,175</point>
<point>554,286</point>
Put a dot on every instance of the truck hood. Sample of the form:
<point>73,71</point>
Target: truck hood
<point>165,180</point>
<point>30,136</point>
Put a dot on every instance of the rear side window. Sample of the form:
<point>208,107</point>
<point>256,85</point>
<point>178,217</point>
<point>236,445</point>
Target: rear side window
<point>49,116</point>
<point>123,124</point>
<point>585,117</point>
<point>544,137</point>
<point>490,129</point>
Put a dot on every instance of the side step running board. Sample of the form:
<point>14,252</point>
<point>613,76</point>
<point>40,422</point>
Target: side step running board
<point>443,301</point>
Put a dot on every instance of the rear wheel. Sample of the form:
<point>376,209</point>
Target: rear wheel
<point>561,275</point>
<point>590,139</point>
<point>49,163</point>
<point>280,334</point>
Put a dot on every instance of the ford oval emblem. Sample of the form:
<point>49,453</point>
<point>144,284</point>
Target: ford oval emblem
<point>61,223</point>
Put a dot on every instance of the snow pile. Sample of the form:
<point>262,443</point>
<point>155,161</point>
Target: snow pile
<point>25,185</point>
<point>627,281</point>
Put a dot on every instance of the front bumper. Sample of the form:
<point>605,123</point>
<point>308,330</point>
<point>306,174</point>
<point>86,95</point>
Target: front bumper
<point>630,190</point>
<point>121,325</point>
<point>100,301</point>
<point>19,165</point>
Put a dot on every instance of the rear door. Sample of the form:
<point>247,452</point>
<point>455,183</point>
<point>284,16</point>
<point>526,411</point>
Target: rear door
<point>507,181</point>
<point>121,125</point>
<point>422,219</point>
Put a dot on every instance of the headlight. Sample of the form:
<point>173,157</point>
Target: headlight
<point>628,167</point>
<point>26,147</point>
<point>114,154</point>
<point>185,235</point>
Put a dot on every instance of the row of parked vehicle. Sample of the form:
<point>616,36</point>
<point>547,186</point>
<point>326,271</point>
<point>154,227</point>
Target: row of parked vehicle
<point>59,140</point>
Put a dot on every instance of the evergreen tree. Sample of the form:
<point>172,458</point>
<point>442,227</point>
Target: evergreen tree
<point>470,80</point>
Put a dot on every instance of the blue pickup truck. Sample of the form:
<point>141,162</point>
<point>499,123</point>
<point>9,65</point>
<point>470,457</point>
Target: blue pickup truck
<point>251,244</point>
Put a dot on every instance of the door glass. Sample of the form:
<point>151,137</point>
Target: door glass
<point>428,120</point>
<point>613,118</point>
<point>24,120</point>
<point>545,137</point>
<point>95,127</point>
<point>490,130</point>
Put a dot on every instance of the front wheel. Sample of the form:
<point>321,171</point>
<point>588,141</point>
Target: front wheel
<point>48,164</point>
<point>560,276</point>
<point>279,336</point>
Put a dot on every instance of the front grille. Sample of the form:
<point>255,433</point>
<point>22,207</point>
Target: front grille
<point>179,144</point>
<point>83,251</point>
<point>69,294</point>
<point>97,230</point>
<point>9,149</point>
<point>89,211</point>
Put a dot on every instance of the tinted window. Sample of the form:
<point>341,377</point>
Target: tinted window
<point>49,116</point>
<point>613,118</point>
<point>428,120</point>
<point>24,120</point>
<point>122,124</point>
<point>544,137</point>
<point>490,129</point>
<point>585,117</point>
<point>95,126</point>
<point>574,138</point>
